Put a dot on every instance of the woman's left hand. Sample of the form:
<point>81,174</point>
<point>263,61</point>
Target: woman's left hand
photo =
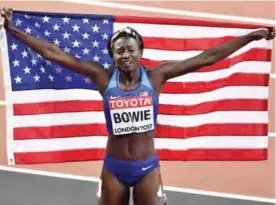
<point>268,34</point>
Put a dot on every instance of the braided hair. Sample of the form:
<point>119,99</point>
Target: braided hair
<point>125,32</point>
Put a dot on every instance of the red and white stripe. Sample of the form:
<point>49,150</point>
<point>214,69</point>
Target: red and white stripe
<point>217,113</point>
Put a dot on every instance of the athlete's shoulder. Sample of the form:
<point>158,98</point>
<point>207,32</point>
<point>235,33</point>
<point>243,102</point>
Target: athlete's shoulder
<point>147,69</point>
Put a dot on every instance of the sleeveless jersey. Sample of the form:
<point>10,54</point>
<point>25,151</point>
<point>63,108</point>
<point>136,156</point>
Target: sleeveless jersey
<point>132,111</point>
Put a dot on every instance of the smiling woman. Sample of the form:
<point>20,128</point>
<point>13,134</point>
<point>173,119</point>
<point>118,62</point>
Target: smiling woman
<point>132,85</point>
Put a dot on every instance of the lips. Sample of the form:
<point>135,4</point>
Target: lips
<point>126,63</point>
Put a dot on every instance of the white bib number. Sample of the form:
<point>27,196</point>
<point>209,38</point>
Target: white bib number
<point>129,115</point>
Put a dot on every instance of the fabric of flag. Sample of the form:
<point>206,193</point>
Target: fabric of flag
<point>219,112</point>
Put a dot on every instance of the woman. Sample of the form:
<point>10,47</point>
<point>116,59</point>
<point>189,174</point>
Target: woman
<point>130,94</point>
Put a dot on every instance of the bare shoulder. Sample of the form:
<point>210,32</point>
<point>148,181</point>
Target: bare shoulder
<point>155,79</point>
<point>158,71</point>
<point>149,71</point>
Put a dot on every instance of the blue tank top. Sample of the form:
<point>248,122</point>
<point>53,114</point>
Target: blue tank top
<point>132,111</point>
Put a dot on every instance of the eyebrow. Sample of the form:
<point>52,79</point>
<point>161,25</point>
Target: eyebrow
<point>128,46</point>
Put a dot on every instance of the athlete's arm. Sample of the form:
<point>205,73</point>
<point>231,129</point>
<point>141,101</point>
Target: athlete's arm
<point>53,53</point>
<point>171,69</point>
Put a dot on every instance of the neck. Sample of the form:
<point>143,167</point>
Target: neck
<point>130,78</point>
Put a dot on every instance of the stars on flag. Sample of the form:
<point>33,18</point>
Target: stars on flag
<point>28,30</point>
<point>46,19</point>
<point>14,46</point>
<point>96,58</point>
<point>57,42</point>
<point>104,51</point>
<point>34,61</point>
<point>106,65</point>
<point>76,43</point>
<point>51,78</point>
<point>87,80</point>
<point>18,22</point>
<point>43,70</point>
<point>105,36</point>
<point>85,20</point>
<point>58,70</point>
<point>66,35</point>
<point>95,43</point>
<point>27,70</point>
<point>95,28</point>
<point>83,38</point>
<point>17,79</point>
<point>24,54</point>
<point>65,20</point>
<point>36,78</point>
<point>27,16</point>
<point>47,33</point>
<point>75,27</point>
<point>37,25</point>
<point>56,27</point>
<point>68,78</point>
<point>86,51</point>
<point>16,63</point>
<point>67,50</point>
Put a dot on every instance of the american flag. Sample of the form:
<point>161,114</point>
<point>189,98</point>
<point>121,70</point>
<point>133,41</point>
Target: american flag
<point>219,112</point>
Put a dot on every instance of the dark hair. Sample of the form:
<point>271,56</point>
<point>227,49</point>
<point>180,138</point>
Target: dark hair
<point>125,32</point>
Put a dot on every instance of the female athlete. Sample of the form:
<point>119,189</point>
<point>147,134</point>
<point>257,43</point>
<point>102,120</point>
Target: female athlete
<point>130,95</point>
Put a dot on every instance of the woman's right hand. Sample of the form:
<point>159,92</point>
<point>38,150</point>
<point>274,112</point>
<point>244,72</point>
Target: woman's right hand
<point>7,15</point>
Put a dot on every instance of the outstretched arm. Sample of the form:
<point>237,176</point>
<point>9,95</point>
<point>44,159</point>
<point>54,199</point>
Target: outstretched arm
<point>53,53</point>
<point>171,69</point>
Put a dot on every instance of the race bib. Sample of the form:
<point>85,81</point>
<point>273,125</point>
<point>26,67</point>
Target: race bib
<point>129,115</point>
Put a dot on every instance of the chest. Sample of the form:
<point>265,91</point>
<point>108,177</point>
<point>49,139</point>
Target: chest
<point>128,87</point>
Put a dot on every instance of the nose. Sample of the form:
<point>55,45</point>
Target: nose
<point>125,55</point>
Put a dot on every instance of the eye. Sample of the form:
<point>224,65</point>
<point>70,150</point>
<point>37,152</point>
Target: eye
<point>119,52</point>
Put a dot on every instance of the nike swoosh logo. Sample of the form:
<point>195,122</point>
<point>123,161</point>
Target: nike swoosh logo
<point>146,168</point>
<point>111,97</point>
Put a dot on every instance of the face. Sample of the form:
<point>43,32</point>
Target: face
<point>126,54</point>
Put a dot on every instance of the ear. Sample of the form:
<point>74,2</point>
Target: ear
<point>141,52</point>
